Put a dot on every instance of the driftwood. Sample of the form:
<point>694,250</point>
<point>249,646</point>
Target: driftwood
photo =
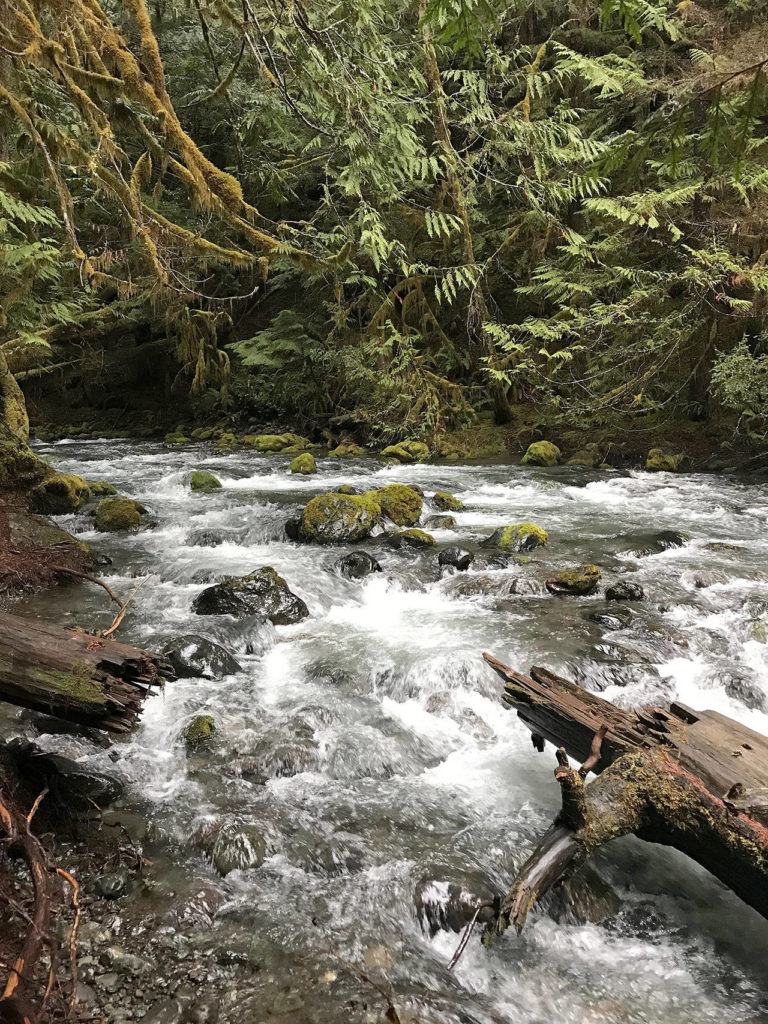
<point>94,681</point>
<point>694,780</point>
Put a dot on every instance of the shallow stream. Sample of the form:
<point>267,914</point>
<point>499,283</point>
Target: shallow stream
<point>364,761</point>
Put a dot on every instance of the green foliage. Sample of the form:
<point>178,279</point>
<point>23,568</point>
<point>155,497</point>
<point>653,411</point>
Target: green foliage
<point>741,381</point>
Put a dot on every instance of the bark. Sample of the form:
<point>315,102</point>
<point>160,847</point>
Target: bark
<point>697,781</point>
<point>91,680</point>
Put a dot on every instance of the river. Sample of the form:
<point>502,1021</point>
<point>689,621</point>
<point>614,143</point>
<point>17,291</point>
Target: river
<point>363,756</point>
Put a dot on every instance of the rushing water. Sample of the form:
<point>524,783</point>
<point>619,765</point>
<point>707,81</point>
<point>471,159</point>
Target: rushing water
<point>367,748</point>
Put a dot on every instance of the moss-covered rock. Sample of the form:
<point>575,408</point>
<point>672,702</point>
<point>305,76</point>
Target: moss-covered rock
<point>114,514</point>
<point>412,539</point>
<point>101,489</point>
<point>202,481</point>
<point>398,453</point>
<point>399,503</point>
<point>199,732</point>
<point>347,451</point>
<point>203,433</point>
<point>276,442</point>
<point>347,489</point>
<point>588,457</point>
<point>20,468</point>
<point>578,582</point>
<point>520,537</point>
<point>60,493</point>
<point>304,463</point>
<point>417,449</point>
<point>227,442</point>
<point>447,503</point>
<point>443,522</point>
<point>176,437</point>
<point>541,453</point>
<point>263,592</point>
<point>339,518</point>
<point>659,461</point>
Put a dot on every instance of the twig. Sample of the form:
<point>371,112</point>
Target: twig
<point>594,751</point>
<point>91,579</point>
<point>73,934</point>
<point>121,614</point>
<point>467,934</point>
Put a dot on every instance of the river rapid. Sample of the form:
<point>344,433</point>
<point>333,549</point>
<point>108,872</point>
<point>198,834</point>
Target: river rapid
<point>364,763</point>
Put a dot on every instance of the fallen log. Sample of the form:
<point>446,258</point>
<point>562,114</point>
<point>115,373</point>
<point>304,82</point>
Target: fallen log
<point>94,681</point>
<point>694,780</point>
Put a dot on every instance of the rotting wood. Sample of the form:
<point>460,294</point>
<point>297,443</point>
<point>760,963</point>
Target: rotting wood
<point>694,780</point>
<point>76,676</point>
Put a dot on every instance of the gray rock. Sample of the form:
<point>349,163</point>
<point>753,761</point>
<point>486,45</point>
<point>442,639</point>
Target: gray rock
<point>262,592</point>
<point>113,885</point>
<point>441,522</point>
<point>200,657</point>
<point>356,565</point>
<point>625,590</point>
<point>456,557</point>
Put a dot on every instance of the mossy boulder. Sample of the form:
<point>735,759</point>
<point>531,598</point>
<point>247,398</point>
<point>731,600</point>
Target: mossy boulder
<point>447,503</point>
<point>176,437</point>
<point>304,463</point>
<point>576,582</point>
<point>112,515</point>
<point>398,453</point>
<point>276,442</point>
<point>399,503</point>
<point>199,732</point>
<point>444,522</point>
<point>541,453</point>
<point>60,493</point>
<point>203,433</point>
<point>659,461</point>
<point>589,457</point>
<point>407,452</point>
<point>347,489</point>
<point>520,537</point>
<point>347,451</point>
<point>101,489</point>
<point>263,592</point>
<point>202,481</point>
<point>412,539</point>
<point>227,442</point>
<point>339,518</point>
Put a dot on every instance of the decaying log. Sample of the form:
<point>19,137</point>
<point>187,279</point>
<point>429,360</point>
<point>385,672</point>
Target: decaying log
<point>694,780</point>
<point>82,678</point>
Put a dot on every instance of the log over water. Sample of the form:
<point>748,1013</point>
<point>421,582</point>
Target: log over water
<point>695,780</point>
<point>76,676</point>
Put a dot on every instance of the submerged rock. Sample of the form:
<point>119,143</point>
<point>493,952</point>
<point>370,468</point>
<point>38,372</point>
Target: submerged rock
<point>113,885</point>
<point>293,528</point>
<point>411,539</point>
<point>263,592</point>
<point>203,481</point>
<point>456,557</point>
<point>401,504</point>
<point>212,538</point>
<point>541,453</point>
<point>577,582</point>
<point>304,464</point>
<point>520,537</point>
<point>339,518</point>
<point>625,590</point>
<point>60,493</point>
<point>199,732</point>
<point>200,657</point>
<point>356,565</point>
<point>440,522</point>
<point>447,503</point>
<point>238,847</point>
<point>115,514</point>
<point>659,461</point>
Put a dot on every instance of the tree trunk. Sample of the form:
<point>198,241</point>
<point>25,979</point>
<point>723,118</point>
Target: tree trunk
<point>82,678</point>
<point>695,780</point>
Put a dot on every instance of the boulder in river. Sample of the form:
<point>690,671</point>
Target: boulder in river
<point>347,451</point>
<point>447,503</point>
<point>520,537</point>
<point>304,464</point>
<point>625,590</point>
<point>659,461</point>
<point>400,503</point>
<point>356,565</point>
<point>101,489</point>
<point>60,493</point>
<point>238,847</point>
<point>616,619</point>
<point>411,539</point>
<point>199,657</point>
<point>199,732</point>
<point>575,582</point>
<point>407,452</point>
<point>176,437</point>
<point>541,453</point>
<point>263,592</point>
<point>442,522</point>
<point>339,518</point>
<point>275,442</point>
<point>112,515</point>
<point>347,489</point>
<point>202,481</point>
<point>456,557</point>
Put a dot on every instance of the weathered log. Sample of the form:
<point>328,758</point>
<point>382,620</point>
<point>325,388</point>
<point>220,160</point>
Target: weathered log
<point>694,780</point>
<point>76,676</point>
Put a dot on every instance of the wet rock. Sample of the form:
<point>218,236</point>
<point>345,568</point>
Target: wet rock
<point>303,464</point>
<point>401,504</point>
<point>103,560</point>
<point>659,461</point>
<point>520,537</point>
<point>625,590</point>
<point>456,557</point>
<point>169,1011</point>
<point>440,522</point>
<point>108,982</point>
<point>195,909</point>
<point>27,530</point>
<point>263,592</point>
<point>238,847</point>
<point>411,539</point>
<point>202,481</point>
<point>347,489</point>
<point>293,528</point>
<point>541,453</point>
<point>670,539</point>
<point>211,538</point>
<point>275,442</point>
<point>418,489</point>
<point>722,546</point>
<point>199,732</point>
<point>283,760</point>
<point>575,582</point>
<point>199,657</point>
<point>589,457</point>
<point>743,688</point>
<point>113,885</point>
<point>447,906</point>
<point>613,620</point>
<point>101,489</point>
<point>117,514</point>
<point>347,451</point>
<point>339,518</point>
<point>447,503</point>
<point>583,899</point>
<point>59,494</point>
<point>69,782</point>
<point>356,565</point>
<point>407,451</point>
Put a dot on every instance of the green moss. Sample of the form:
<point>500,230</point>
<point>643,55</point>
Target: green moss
<point>60,493</point>
<point>345,489</point>
<point>541,453</point>
<point>413,539</point>
<point>399,503</point>
<point>20,468</point>
<point>336,518</point>
<point>659,461</point>
<point>520,537</point>
<point>227,442</point>
<point>447,503</point>
<point>304,463</point>
<point>275,442</point>
<point>581,581</point>
<point>113,514</point>
<point>101,489</point>
<point>203,481</point>
<point>203,433</point>
<point>398,453</point>
<point>199,731</point>
<point>416,449</point>
<point>588,457</point>
<point>176,437</point>
<point>77,684</point>
<point>347,451</point>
